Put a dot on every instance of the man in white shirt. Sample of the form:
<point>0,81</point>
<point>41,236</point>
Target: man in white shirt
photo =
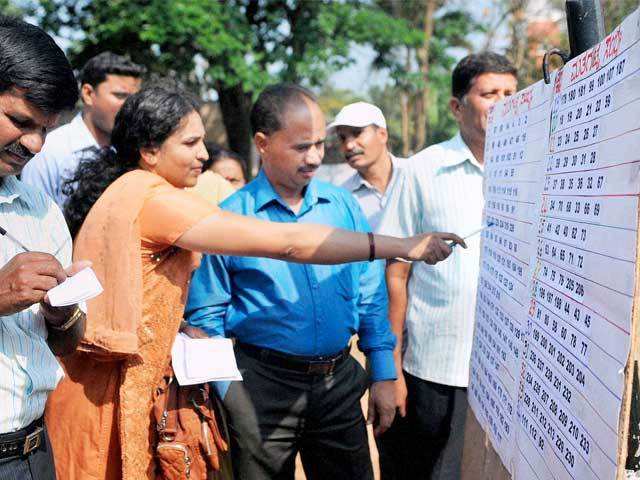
<point>362,131</point>
<point>36,84</point>
<point>440,188</point>
<point>106,81</point>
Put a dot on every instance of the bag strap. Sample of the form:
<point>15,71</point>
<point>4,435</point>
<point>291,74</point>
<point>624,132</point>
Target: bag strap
<point>197,399</point>
<point>165,407</point>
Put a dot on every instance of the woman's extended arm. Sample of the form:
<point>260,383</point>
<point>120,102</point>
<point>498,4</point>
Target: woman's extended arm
<point>230,234</point>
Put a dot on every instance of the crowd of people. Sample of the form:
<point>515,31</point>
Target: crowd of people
<point>290,267</point>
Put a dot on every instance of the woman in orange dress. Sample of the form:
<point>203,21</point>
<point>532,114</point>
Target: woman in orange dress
<point>132,218</point>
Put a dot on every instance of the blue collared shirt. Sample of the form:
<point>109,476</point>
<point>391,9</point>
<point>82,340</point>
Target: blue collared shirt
<point>295,308</point>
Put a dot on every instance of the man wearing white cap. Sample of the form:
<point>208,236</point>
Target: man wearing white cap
<point>362,131</point>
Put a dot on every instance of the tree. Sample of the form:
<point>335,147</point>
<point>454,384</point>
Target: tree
<point>235,47</point>
<point>421,68</point>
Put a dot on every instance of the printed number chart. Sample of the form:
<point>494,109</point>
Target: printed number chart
<point>558,265</point>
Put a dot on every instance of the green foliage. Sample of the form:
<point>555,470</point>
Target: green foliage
<point>7,7</point>
<point>239,42</point>
<point>614,11</point>
<point>331,100</point>
<point>387,99</point>
<point>451,29</point>
<point>237,47</point>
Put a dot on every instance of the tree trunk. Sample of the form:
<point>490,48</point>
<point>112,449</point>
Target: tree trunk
<point>518,32</point>
<point>235,105</point>
<point>422,55</point>
<point>404,102</point>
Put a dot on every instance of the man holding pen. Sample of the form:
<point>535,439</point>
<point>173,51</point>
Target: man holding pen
<point>432,308</point>
<point>36,84</point>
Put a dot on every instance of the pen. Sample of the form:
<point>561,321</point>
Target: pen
<point>475,232</point>
<point>13,239</point>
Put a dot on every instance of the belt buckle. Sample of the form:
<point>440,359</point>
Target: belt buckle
<point>32,441</point>
<point>320,368</point>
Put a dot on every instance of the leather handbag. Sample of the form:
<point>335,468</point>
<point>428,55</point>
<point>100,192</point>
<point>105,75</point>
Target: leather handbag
<point>188,437</point>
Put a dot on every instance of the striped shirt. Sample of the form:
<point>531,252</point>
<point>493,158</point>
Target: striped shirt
<point>28,369</point>
<point>370,199</point>
<point>439,190</point>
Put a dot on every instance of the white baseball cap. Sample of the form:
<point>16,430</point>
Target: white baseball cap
<point>359,115</point>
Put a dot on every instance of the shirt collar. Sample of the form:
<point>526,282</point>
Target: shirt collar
<point>356,181</point>
<point>9,189</point>
<point>265,194</point>
<point>458,152</point>
<point>81,138</point>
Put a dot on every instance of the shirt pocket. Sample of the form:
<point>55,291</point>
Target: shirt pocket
<point>41,371</point>
<point>345,281</point>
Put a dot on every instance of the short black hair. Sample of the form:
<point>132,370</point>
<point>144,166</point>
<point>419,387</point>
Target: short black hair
<point>476,64</point>
<point>97,68</point>
<point>30,60</point>
<point>218,152</point>
<point>267,111</point>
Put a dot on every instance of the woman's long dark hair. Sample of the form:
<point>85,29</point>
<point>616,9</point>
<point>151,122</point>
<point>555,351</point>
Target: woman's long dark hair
<point>146,120</point>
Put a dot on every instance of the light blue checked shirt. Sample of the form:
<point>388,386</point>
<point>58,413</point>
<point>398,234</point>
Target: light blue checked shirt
<point>439,190</point>
<point>28,369</point>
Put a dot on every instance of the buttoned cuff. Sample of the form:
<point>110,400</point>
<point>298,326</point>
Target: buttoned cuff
<point>382,365</point>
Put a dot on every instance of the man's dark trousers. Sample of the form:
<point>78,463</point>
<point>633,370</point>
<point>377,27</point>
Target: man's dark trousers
<point>427,443</point>
<point>275,412</point>
<point>37,465</point>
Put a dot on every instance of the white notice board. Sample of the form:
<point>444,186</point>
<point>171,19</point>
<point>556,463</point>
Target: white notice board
<point>558,267</point>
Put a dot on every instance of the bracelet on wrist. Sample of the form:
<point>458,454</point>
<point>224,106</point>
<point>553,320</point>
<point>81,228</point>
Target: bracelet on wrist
<point>372,247</point>
<point>75,316</point>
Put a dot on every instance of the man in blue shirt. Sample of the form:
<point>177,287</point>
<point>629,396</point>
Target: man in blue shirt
<point>292,322</point>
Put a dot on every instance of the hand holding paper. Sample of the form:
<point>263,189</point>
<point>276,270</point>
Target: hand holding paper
<point>200,360</point>
<point>82,286</point>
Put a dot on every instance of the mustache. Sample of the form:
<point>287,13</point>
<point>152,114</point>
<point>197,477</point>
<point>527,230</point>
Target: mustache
<point>19,150</point>
<point>309,168</point>
<point>353,153</point>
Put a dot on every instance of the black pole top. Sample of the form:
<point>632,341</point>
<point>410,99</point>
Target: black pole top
<point>585,24</point>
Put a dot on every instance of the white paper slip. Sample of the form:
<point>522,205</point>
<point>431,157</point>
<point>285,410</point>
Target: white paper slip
<point>83,286</point>
<point>200,360</point>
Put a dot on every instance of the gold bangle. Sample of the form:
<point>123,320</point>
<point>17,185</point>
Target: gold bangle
<point>77,313</point>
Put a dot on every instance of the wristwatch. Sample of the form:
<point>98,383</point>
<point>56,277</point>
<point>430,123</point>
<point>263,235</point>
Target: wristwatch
<point>77,313</point>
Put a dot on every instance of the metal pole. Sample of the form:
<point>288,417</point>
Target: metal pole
<point>585,24</point>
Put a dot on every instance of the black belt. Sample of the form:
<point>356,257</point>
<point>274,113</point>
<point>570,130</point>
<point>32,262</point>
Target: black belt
<point>316,365</point>
<point>22,442</point>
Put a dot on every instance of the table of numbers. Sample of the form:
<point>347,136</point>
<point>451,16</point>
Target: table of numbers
<point>514,156</point>
<point>558,265</point>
